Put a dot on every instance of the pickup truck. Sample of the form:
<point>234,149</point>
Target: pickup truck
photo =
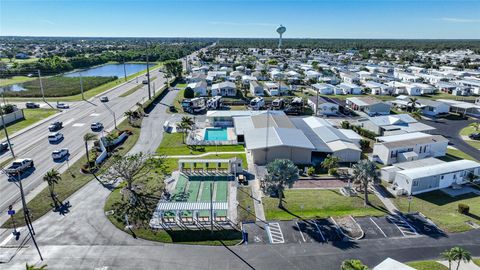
<point>55,126</point>
<point>19,166</point>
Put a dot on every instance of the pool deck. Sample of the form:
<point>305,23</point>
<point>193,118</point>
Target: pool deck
<point>197,137</point>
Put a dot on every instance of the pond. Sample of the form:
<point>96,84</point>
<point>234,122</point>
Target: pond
<point>110,70</point>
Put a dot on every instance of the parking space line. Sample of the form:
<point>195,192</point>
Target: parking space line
<point>319,231</point>
<point>275,234</point>
<point>378,227</point>
<point>300,230</point>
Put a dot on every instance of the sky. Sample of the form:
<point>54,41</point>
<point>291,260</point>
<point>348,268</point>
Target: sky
<point>416,19</point>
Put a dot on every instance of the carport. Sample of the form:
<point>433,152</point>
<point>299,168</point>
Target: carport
<point>171,212</point>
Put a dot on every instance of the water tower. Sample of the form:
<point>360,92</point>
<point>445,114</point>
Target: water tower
<point>280,30</point>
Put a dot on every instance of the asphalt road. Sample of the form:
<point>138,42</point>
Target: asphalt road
<point>76,120</point>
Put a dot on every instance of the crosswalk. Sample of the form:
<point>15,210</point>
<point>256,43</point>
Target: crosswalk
<point>275,234</point>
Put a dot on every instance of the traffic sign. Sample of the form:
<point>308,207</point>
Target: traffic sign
<point>11,212</point>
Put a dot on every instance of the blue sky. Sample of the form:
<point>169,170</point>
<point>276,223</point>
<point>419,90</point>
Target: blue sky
<point>243,18</point>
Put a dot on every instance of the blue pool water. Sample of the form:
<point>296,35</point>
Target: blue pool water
<point>216,134</point>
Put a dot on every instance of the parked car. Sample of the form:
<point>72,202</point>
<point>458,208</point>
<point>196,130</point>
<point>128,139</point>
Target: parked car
<point>55,126</point>
<point>474,136</point>
<point>96,126</point>
<point>19,166</point>
<point>145,82</point>
<point>62,106</point>
<point>32,105</point>
<point>55,137</point>
<point>3,146</point>
<point>104,99</point>
<point>59,154</point>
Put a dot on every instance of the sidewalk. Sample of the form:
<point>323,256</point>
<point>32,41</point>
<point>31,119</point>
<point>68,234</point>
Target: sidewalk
<point>256,191</point>
<point>385,200</point>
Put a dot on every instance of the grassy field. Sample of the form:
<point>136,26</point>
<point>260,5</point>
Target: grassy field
<point>172,163</point>
<point>476,261</point>
<point>15,79</point>
<point>132,90</point>
<point>31,117</point>
<point>227,237</point>
<point>178,99</point>
<point>319,203</point>
<point>172,145</point>
<point>91,93</point>
<point>20,61</point>
<point>72,180</point>
<point>245,208</point>
<point>427,265</point>
<point>442,209</point>
<point>455,154</point>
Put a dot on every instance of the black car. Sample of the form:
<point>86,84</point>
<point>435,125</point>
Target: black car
<point>3,146</point>
<point>55,126</point>
<point>474,136</point>
<point>32,105</point>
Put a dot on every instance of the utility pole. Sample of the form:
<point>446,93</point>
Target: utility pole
<point>41,86</point>
<point>148,73</point>
<point>316,107</point>
<point>81,85</point>
<point>211,209</point>
<point>124,70</point>
<point>113,114</point>
<point>5,129</point>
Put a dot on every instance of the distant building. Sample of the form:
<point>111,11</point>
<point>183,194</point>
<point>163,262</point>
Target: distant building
<point>224,89</point>
<point>369,105</point>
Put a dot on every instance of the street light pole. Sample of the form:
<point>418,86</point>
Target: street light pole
<point>5,130</point>
<point>81,85</point>
<point>148,73</point>
<point>41,86</point>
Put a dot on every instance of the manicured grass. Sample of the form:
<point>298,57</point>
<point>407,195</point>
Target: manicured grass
<point>475,144</point>
<point>467,131</point>
<point>476,261</point>
<point>177,102</point>
<point>455,154</point>
<point>15,79</point>
<point>245,208</point>
<point>131,91</point>
<point>427,265</point>
<point>172,145</point>
<point>31,117</point>
<point>72,180</point>
<point>320,203</point>
<point>171,164</point>
<point>442,209</point>
<point>194,237</point>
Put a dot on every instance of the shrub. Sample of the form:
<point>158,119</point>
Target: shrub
<point>189,93</point>
<point>463,208</point>
<point>345,124</point>
<point>364,145</point>
<point>310,170</point>
<point>332,171</point>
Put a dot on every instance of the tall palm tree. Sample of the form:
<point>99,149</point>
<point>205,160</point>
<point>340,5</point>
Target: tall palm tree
<point>416,114</point>
<point>460,254</point>
<point>448,256</point>
<point>86,138</point>
<point>182,128</point>
<point>130,115</point>
<point>412,103</point>
<point>52,178</point>
<point>475,126</point>
<point>33,267</point>
<point>330,162</point>
<point>364,173</point>
<point>187,121</point>
<point>353,265</point>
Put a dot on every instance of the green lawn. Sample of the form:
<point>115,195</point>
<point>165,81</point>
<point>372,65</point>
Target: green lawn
<point>72,181</point>
<point>172,163</point>
<point>177,102</point>
<point>319,203</point>
<point>15,79</point>
<point>31,117</point>
<point>427,265</point>
<point>245,208</point>
<point>172,145</point>
<point>476,261</point>
<point>442,209</point>
<point>467,131</point>
<point>455,154</point>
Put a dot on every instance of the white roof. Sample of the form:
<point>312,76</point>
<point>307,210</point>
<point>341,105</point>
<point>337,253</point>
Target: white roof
<point>391,264</point>
<point>439,169</point>
<point>272,137</point>
<point>402,137</point>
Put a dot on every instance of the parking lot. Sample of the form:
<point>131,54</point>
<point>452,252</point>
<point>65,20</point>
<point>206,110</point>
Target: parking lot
<point>325,230</point>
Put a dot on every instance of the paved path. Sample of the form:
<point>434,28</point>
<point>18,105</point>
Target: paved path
<point>256,191</point>
<point>207,154</point>
<point>385,200</point>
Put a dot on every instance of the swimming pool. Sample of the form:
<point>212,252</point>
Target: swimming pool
<point>216,134</point>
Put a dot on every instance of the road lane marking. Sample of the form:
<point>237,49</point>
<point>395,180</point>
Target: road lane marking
<point>78,125</point>
<point>68,121</point>
<point>94,114</point>
<point>300,230</point>
<point>379,227</point>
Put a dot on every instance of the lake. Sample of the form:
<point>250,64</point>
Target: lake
<point>109,70</point>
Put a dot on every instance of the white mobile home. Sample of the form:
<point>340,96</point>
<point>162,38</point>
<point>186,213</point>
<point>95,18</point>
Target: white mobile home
<point>369,105</point>
<point>256,89</point>
<point>224,89</point>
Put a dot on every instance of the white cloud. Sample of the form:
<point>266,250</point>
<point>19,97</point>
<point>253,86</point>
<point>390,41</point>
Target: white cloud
<point>460,20</point>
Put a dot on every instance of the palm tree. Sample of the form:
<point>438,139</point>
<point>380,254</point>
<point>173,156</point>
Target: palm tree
<point>460,254</point>
<point>140,108</point>
<point>32,267</point>
<point>448,256</point>
<point>416,114</point>
<point>365,172</point>
<point>412,104</point>
<point>353,265</point>
<point>130,115</point>
<point>330,162</point>
<point>475,126</point>
<point>86,138</point>
<point>52,177</point>
<point>187,121</point>
<point>182,128</point>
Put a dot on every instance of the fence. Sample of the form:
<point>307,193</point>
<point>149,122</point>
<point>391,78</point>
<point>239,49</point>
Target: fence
<point>12,117</point>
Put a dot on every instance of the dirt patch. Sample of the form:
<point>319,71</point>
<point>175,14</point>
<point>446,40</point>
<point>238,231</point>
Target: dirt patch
<point>349,227</point>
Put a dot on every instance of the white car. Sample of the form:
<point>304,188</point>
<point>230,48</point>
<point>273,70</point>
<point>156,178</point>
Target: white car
<point>104,99</point>
<point>59,154</point>
<point>55,137</point>
<point>62,106</point>
<point>96,126</point>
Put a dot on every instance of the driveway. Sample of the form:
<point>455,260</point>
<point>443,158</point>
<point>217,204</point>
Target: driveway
<point>450,129</point>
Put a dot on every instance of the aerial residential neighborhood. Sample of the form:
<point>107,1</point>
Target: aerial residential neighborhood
<point>214,136</point>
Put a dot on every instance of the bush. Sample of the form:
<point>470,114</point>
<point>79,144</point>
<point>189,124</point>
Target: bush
<point>310,170</point>
<point>189,93</point>
<point>463,208</point>
<point>332,171</point>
